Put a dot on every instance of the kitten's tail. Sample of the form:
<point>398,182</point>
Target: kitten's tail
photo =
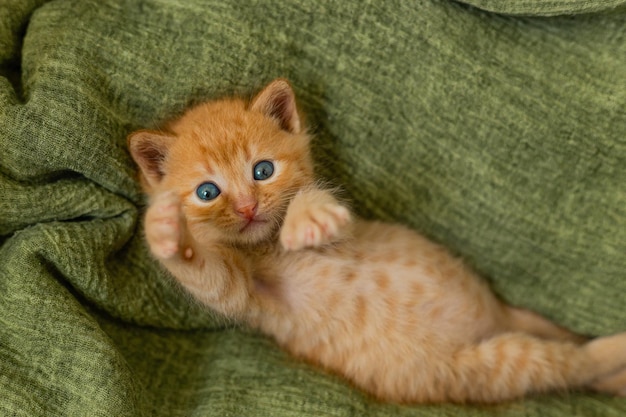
<point>511,365</point>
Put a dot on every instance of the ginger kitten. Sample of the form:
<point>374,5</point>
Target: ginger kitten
<point>237,217</point>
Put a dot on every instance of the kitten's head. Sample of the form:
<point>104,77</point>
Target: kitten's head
<point>234,165</point>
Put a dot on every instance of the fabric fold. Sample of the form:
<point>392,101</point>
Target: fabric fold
<point>548,8</point>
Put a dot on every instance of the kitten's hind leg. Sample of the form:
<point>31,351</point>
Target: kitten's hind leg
<point>608,353</point>
<point>527,321</point>
<point>511,365</point>
<point>613,384</point>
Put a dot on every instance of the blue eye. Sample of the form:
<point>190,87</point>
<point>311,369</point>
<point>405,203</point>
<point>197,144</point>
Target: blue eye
<point>207,191</point>
<point>263,170</point>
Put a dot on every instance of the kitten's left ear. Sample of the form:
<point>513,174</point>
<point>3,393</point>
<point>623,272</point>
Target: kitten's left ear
<point>277,101</point>
<point>149,149</point>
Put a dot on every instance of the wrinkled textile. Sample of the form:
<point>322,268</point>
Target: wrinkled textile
<point>501,136</point>
<point>548,7</point>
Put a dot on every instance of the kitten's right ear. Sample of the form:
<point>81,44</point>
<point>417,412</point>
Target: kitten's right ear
<point>149,149</point>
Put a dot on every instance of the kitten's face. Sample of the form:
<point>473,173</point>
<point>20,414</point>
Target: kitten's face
<point>235,167</point>
<point>236,171</point>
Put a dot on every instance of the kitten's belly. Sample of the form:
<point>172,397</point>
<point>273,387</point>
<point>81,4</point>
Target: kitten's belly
<point>389,291</point>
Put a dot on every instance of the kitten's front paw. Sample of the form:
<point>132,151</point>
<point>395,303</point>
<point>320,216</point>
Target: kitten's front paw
<point>163,225</point>
<point>313,226</point>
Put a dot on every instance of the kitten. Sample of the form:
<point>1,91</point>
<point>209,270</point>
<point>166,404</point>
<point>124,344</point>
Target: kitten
<point>236,216</point>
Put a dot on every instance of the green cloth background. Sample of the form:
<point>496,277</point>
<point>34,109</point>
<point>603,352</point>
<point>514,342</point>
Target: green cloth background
<point>501,135</point>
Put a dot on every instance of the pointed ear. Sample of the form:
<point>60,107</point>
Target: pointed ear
<point>278,102</point>
<point>149,148</point>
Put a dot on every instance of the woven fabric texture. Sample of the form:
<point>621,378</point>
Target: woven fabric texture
<point>502,137</point>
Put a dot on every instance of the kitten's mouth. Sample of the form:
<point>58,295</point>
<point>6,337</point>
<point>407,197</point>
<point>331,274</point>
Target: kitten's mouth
<point>252,224</point>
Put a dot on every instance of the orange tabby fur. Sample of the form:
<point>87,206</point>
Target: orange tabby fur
<point>392,312</point>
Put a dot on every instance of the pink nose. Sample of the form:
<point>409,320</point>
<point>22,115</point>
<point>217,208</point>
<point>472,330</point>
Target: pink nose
<point>247,211</point>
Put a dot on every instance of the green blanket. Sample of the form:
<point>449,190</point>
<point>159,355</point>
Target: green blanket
<point>490,127</point>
